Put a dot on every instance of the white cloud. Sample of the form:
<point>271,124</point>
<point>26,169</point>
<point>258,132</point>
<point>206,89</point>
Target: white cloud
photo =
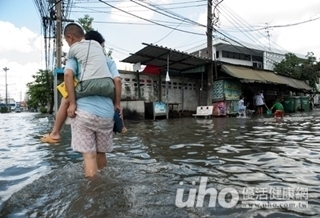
<point>132,8</point>
<point>21,52</point>
<point>135,9</point>
<point>16,39</point>
<point>39,42</point>
<point>18,76</point>
<point>250,15</point>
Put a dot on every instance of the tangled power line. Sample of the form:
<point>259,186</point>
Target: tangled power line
<point>174,20</point>
<point>48,16</point>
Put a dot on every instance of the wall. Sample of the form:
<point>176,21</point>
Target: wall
<point>270,59</point>
<point>178,88</point>
<point>133,109</point>
<point>235,61</point>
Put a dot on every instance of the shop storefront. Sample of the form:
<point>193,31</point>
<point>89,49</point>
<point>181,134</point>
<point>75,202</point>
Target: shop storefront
<point>246,81</point>
<point>225,97</point>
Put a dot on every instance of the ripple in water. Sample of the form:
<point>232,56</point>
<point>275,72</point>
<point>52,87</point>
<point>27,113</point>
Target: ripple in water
<point>148,165</point>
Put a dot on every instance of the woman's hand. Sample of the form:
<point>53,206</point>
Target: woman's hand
<point>119,108</point>
<point>71,110</point>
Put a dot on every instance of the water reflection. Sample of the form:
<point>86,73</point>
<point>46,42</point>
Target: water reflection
<point>149,162</point>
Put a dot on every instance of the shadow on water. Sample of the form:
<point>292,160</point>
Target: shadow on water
<point>155,159</point>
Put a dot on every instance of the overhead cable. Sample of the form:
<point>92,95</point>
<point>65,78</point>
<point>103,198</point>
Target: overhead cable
<point>150,20</point>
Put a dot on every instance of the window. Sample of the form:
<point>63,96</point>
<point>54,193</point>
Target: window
<point>257,64</point>
<point>236,55</point>
<point>257,58</point>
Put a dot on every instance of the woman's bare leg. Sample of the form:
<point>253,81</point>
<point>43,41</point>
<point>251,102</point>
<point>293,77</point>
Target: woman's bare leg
<point>90,164</point>
<point>101,160</point>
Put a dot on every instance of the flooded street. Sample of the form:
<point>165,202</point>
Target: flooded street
<point>155,159</point>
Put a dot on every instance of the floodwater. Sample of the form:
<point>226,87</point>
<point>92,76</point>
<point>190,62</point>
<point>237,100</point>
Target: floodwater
<point>155,159</point>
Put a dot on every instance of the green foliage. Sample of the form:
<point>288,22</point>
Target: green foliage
<point>86,22</point>
<point>289,66</point>
<point>40,91</point>
<point>4,110</point>
<point>43,110</point>
<point>304,69</point>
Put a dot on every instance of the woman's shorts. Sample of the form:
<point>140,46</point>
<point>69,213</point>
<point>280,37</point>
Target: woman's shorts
<point>91,133</point>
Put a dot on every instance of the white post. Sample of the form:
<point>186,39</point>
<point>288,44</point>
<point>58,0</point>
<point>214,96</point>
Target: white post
<point>6,85</point>
<point>167,90</point>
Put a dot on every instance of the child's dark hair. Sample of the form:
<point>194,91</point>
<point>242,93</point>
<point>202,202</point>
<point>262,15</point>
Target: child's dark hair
<point>241,97</point>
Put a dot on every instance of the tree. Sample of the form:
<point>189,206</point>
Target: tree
<point>40,91</point>
<point>86,22</point>
<point>310,70</point>
<point>304,69</point>
<point>289,66</point>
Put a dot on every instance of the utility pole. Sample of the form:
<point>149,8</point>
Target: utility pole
<point>6,84</point>
<point>209,49</point>
<point>58,53</point>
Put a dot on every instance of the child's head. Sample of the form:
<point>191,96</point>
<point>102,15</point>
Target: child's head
<point>278,100</point>
<point>73,33</point>
<point>241,97</point>
<point>96,36</point>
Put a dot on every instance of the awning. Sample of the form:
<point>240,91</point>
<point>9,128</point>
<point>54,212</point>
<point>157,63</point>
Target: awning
<point>271,77</point>
<point>304,84</point>
<point>247,74</point>
<point>294,83</point>
<point>244,73</point>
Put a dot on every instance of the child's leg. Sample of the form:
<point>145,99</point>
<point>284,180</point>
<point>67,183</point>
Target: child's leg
<point>60,119</point>
<point>278,114</point>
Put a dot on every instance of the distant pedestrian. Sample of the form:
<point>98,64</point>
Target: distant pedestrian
<point>259,102</point>
<point>241,107</point>
<point>279,113</point>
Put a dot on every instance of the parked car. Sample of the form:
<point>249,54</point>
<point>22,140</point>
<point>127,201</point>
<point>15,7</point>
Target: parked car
<point>17,110</point>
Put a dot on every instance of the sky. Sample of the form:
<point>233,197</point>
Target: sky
<point>177,24</point>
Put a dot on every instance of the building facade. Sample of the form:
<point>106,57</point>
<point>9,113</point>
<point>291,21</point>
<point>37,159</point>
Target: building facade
<point>244,69</point>
<point>185,93</point>
<point>245,54</point>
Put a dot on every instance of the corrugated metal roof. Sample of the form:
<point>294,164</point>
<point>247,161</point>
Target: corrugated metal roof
<point>157,56</point>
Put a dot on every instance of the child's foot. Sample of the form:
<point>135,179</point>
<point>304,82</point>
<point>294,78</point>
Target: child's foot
<point>47,138</point>
<point>55,136</point>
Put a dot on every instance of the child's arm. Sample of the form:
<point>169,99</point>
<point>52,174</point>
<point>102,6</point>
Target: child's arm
<point>273,106</point>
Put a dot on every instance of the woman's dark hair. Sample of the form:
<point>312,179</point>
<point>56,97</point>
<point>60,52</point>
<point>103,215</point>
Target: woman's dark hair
<point>94,35</point>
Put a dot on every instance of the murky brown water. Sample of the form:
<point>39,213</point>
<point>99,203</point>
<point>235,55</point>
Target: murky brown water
<point>155,159</point>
